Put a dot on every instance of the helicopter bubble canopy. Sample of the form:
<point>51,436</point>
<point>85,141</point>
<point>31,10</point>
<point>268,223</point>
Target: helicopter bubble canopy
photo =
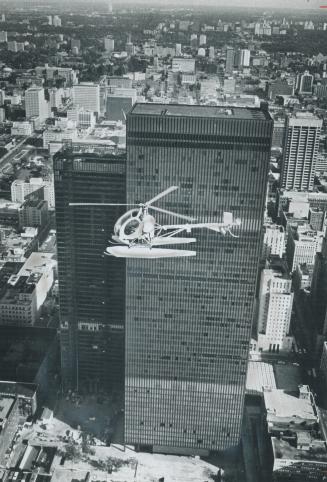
<point>129,225</point>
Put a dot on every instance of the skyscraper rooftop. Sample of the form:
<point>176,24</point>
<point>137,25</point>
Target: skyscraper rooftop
<point>181,110</point>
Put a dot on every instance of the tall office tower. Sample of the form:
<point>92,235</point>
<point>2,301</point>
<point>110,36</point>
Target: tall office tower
<point>3,36</point>
<point>194,40</point>
<point>55,97</point>
<point>230,55</point>
<point>188,320</point>
<point>87,95</point>
<point>91,285</point>
<point>109,44</point>
<point>2,96</point>
<point>56,21</point>
<point>304,83</point>
<point>35,103</point>
<point>275,308</point>
<point>300,152</point>
<point>202,39</point>
<point>110,8</point>
<point>244,58</point>
<point>221,75</point>
<point>130,48</point>
<point>75,42</point>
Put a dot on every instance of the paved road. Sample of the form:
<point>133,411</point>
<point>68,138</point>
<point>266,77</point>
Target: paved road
<point>17,152</point>
<point>7,158</point>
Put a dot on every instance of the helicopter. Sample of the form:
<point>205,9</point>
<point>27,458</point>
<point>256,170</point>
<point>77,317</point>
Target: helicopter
<point>138,235</point>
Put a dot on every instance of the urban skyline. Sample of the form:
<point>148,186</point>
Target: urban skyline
<point>163,243</point>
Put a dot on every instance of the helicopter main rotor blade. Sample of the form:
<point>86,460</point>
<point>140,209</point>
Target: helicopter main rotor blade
<point>102,204</point>
<point>162,194</point>
<point>171,213</point>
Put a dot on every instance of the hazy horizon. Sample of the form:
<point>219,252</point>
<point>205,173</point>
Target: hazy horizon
<point>264,4</point>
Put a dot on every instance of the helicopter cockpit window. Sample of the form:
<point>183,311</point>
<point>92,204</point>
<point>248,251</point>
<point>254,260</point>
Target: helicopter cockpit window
<point>131,227</point>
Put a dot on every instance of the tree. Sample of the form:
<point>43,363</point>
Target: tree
<point>72,452</point>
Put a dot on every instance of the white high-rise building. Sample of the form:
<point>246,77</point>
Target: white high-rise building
<point>275,309</point>
<point>273,241</point>
<point>203,39</point>
<point>3,36</point>
<point>2,96</point>
<point>49,17</point>
<point>178,49</point>
<point>83,118</point>
<point>244,58</point>
<point>56,22</point>
<point>87,95</point>
<point>300,151</point>
<point>109,44</point>
<point>21,188</point>
<point>194,40</point>
<point>110,8</point>
<point>35,103</point>
<point>302,246</point>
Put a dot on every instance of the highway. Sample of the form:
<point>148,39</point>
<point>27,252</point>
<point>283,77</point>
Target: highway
<point>15,154</point>
<point>7,158</point>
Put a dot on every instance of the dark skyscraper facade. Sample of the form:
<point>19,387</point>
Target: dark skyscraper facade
<point>188,320</point>
<point>92,285</point>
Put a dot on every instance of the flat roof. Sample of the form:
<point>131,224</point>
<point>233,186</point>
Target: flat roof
<point>282,405</point>
<point>284,450</point>
<point>37,262</point>
<point>260,374</point>
<point>186,110</point>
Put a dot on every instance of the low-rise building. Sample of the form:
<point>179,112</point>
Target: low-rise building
<point>297,435</point>
<point>182,64</point>
<point>22,129</point>
<point>23,293</point>
<point>56,134</point>
<point>9,419</point>
<point>8,214</point>
<point>17,246</point>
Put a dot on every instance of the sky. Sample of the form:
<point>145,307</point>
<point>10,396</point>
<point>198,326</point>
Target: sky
<point>296,4</point>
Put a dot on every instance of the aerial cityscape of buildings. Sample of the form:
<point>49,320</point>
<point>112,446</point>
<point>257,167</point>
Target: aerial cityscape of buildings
<point>127,134</point>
